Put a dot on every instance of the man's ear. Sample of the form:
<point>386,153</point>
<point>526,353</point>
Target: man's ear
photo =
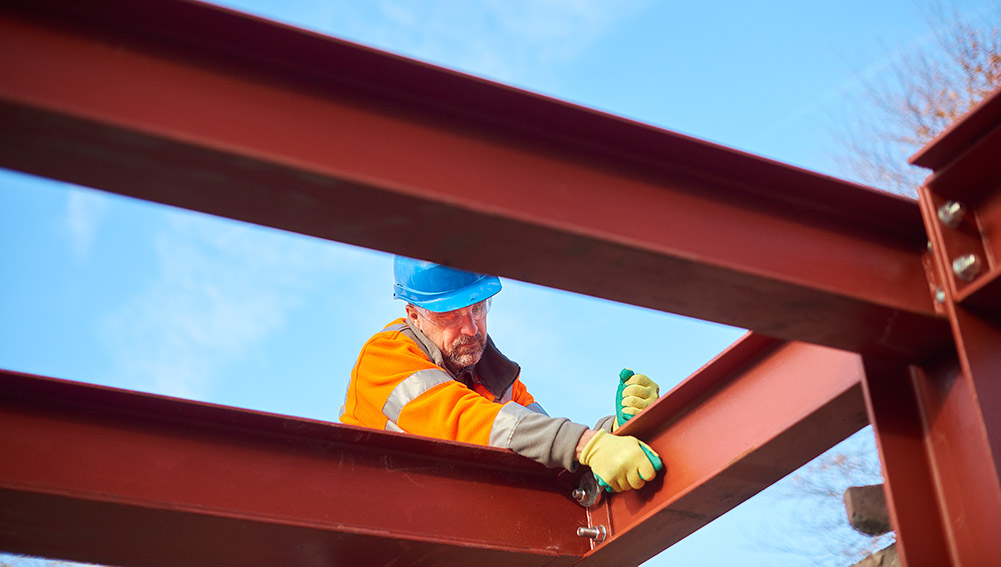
<point>411,313</point>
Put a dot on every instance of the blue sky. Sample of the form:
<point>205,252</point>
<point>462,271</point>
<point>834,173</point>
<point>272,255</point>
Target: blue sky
<point>114,291</point>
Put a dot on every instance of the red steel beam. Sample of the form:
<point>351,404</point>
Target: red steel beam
<point>122,478</point>
<point>192,105</point>
<point>756,413</point>
<point>119,477</point>
<point>938,426</point>
<point>914,423</point>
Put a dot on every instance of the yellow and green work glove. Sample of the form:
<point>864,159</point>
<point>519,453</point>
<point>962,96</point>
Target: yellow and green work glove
<point>620,463</point>
<point>634,394</point>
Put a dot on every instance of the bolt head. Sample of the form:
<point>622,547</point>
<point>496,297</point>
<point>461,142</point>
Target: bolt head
<point>940,295</point>
<point>951,214</point>
<point>966,267</point>
<point>596,533</point>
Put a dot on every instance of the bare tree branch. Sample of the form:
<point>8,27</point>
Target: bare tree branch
<point>922,93</point>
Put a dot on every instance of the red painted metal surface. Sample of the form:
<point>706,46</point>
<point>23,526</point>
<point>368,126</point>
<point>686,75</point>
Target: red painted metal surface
<point>191,105</point>
<point>939,426</point>
<point>194,106</point>
<point>941,483</point>
<point>123,478</point>
<point>896,394</point>
<point>114,476</point>
<point>756,413</point>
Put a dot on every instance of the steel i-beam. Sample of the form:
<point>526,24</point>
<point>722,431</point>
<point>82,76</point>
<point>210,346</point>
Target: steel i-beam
<point>756,413</point>
<point>122,478</point>
<point>938,425</point>
<point>192,105</point>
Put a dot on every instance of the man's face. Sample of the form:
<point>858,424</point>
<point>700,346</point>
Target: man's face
<point>461,335</point>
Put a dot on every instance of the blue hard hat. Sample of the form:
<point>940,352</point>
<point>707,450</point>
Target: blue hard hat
<point>440,288</point>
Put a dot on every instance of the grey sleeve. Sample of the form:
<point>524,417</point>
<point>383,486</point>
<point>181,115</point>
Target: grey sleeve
<point>605,423</point>
<point>550,441</point>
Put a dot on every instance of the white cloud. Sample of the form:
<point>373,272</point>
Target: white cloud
<point>223,289</point>
<point>84,211</point>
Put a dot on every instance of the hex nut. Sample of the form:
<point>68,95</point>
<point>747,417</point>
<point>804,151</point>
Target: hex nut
<point>952,213</point>
<point>966,267</point>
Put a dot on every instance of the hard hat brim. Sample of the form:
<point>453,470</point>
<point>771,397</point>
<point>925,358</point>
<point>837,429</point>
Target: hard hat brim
<point>480,290</point>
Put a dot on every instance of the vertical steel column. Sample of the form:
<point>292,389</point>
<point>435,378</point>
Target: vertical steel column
<point>939,425</point>
<point>897,398</point>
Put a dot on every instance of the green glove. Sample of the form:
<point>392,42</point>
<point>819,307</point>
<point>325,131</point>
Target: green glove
<point>635,393</point>
<point>620,463</point>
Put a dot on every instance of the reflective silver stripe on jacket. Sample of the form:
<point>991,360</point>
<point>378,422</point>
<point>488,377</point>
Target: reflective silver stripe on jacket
<point>399,327</point>
<point>505,423</point>
<point>534,406</point>
<point>410,389</point>
<point>533,434</point>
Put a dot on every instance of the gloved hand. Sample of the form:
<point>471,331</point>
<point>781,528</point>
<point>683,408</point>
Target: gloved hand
<point>620,463</point>
<point>635,393</point>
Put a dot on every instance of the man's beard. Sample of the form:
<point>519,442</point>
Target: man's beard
<point>465,351</point>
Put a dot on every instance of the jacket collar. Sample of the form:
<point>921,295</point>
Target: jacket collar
<point>494,371</point>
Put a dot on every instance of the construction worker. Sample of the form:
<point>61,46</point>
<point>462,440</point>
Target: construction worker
<point>437,373</point>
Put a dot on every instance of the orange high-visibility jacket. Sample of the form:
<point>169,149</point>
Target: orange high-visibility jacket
<point>400,383</point>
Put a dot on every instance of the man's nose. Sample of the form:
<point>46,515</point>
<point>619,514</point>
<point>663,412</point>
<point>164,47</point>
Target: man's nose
<point>468,323</point>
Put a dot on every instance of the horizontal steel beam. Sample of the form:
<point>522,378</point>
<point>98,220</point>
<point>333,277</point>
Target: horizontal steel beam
<point>194,106</point>
<point>119,477</point>
<point>123,478</point>
<point>756,413</point>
